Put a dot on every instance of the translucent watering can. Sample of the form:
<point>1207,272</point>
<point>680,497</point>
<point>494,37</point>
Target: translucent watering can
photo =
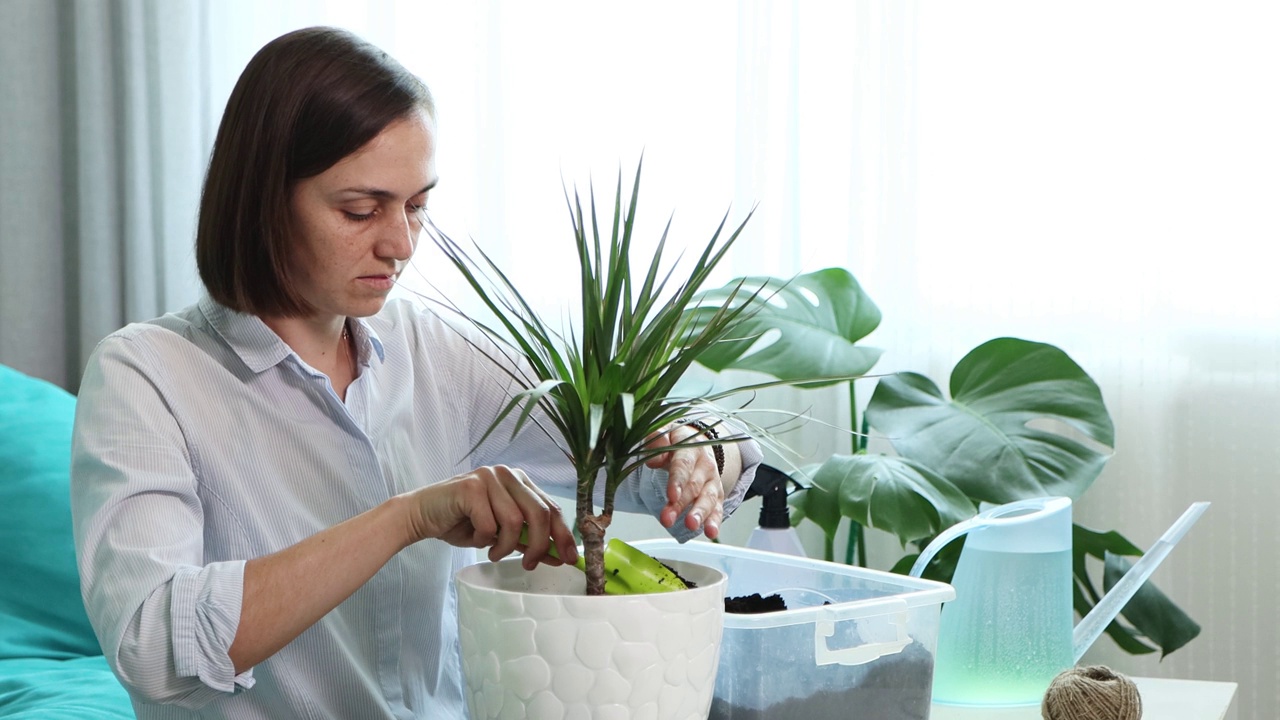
<point>1009,631</point>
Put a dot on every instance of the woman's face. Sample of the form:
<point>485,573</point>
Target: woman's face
<point>357,223</point>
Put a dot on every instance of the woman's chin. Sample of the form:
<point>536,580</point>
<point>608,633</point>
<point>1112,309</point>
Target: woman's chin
<point>367,306</point>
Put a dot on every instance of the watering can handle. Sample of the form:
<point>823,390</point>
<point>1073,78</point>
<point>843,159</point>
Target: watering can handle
<point>941,541</point>
<point>1016,511</point>
<point>894,610</point>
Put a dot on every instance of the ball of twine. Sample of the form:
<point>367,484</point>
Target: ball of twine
<point>1091,693</point>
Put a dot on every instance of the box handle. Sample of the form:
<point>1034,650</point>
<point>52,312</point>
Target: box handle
<point>893,610</point>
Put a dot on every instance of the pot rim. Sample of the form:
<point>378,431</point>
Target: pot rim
<point>717,583</point>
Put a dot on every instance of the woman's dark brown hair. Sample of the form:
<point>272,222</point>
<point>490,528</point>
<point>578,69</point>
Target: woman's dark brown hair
<point>305,101</point>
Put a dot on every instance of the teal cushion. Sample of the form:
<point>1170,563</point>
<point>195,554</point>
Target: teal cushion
<point>80,688</point>
<point>41,613</point>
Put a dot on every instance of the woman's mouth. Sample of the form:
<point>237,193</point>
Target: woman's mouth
<point>378,282</point>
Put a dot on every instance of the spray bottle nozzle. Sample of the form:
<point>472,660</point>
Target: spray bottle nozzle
<point>775,533</point>
<point>771,484</point>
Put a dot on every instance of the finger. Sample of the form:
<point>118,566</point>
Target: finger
<point>483,526</point>
<point>547,559</point>
<point>536,513</point>
<point>559,534</point>
<point>708,504</point>
<point>506,510</point>
<point>690,472</point>
<point>658,461</point>
<point>711,527</point>
<point>682,476</point>
<point>667,516</point>
<point>566,546</point>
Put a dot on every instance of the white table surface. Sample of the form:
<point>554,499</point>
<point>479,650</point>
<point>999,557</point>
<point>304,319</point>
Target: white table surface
<point>1162,699</point>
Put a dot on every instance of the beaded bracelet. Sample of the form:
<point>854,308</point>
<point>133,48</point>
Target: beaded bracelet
<point>716,449</point>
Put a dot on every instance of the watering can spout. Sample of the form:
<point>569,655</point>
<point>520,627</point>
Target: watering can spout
<point>1091,627</point>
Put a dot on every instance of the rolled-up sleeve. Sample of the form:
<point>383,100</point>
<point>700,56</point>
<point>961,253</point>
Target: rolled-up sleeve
<point>164,618</point>
<point>205,613</point>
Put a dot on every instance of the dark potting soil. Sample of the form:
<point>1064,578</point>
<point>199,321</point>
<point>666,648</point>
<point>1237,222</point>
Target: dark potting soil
<point>895,687</point>
<point>753,604</point>
<point>689,584</point>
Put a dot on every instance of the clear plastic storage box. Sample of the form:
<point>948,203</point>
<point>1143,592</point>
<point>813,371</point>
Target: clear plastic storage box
<point>853,643</point>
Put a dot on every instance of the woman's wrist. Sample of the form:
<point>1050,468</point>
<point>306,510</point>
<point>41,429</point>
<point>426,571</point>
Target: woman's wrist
<point>408,508</point>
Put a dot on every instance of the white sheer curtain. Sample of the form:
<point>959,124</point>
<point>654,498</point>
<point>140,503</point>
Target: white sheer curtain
<point>1103,176</point>
<point>1100,176</point>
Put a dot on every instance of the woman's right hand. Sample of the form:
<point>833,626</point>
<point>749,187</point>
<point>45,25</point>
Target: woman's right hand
<point>487,507</point>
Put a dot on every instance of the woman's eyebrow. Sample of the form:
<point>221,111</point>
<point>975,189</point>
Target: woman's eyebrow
<point>379,192</point>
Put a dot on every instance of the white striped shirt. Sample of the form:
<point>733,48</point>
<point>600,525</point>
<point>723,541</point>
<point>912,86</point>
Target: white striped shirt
<point>202,440</point>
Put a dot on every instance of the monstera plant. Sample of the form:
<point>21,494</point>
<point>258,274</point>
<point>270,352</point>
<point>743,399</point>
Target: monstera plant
<point>1023,420</point>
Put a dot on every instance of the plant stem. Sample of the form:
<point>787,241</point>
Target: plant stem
<point>865,435</point>
<point>856,542</point>
<point>592,528</point>
<point>851,542</point>
<point>858,442</point>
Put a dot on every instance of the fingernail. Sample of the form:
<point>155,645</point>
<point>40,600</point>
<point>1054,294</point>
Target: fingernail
<point>697,517</point>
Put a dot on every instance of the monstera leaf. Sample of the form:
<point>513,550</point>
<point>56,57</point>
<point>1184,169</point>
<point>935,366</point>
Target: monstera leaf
<point>819,503</point>
<point>820,315</point>
<point>1024,421</point>
<point>890,493</point>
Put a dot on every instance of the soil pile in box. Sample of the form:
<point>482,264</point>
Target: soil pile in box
<point>895,687</point>
<point>753,604</point>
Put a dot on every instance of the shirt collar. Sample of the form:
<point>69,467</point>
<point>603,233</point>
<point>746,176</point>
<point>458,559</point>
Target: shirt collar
<point>259,348</point>
<point>367,340</point>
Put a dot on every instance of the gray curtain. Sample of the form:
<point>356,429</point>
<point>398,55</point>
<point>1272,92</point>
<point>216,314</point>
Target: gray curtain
<point>104,134</point>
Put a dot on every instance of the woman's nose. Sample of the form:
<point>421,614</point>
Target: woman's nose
<point>399,238</point>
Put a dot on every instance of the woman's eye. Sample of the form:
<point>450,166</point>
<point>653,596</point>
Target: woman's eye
<point>358,217</point>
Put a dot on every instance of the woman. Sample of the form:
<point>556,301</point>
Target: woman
<point>273,488</point>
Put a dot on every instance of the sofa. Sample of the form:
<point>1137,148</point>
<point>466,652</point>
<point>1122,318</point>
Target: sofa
<point>51,666</point>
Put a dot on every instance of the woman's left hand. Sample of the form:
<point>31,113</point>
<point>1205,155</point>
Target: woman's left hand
<point>694,482</point>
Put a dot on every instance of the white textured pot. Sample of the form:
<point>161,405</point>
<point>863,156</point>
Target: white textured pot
<point>534,646</point>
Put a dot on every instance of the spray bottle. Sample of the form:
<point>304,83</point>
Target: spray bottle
<point>774,532</point>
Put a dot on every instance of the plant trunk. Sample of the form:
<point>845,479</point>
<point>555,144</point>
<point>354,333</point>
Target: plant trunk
<point>592,528</point>
<point>593,548</point>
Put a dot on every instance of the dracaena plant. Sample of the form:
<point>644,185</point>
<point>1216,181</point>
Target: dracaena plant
<point>1023,420</point>
<point>602,390</point>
